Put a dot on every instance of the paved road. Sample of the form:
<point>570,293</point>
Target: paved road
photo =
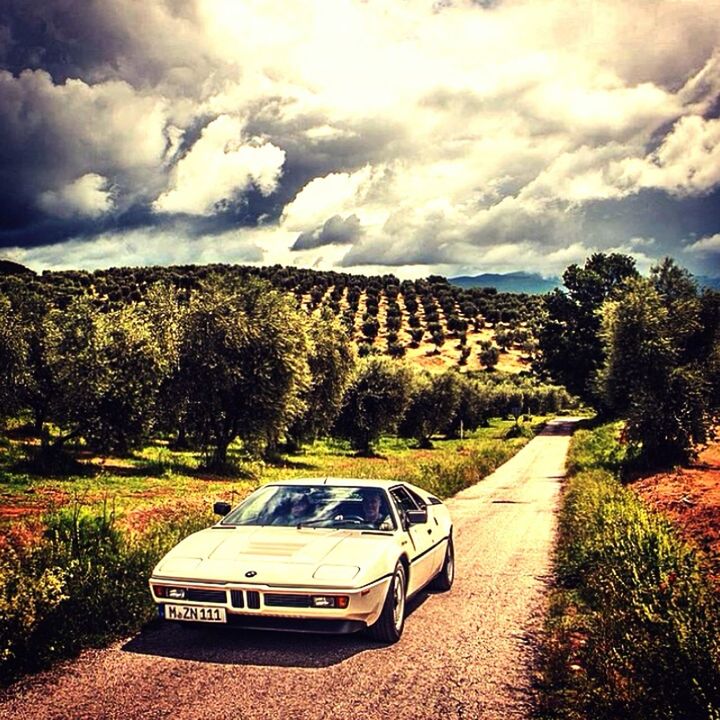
<point>464,654</point>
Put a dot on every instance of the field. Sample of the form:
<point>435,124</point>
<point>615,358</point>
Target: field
<point>433,323</point>
<point>143,482</point>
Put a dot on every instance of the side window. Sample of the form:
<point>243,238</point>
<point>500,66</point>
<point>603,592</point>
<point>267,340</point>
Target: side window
<point>403,499</point>
<point>418,500</point>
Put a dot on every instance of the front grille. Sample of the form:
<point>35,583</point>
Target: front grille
<point>208,596</point>
<point>236,598</point>
<point>286,600</point>
<point>253,599</point>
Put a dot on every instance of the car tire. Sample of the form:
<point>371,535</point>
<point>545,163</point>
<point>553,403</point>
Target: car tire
<point>389,626</point>
<point>444,579</point>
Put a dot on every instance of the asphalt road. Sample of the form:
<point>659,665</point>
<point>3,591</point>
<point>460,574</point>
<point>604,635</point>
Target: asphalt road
<point>464,654</point>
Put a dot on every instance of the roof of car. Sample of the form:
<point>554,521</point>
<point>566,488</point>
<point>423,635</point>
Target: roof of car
<point>350,482</point>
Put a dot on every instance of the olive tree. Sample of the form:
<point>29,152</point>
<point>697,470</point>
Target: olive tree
<point>434,400</point>
<point>110,366</point>
<point>13,360</point>
<point>375,402</point>
<point>26,329</point>
<point>243,364</point>
<point>666,400</point>
<point>331,360</point>
<point>473,408</point>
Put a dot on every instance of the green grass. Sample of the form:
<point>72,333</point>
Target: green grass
<point>634,625</point>
<point>80,582</point>
<point>157,475</point>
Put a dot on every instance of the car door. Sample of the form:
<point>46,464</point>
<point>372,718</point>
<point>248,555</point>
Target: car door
<point>422,540</point>
<point>437,529</point>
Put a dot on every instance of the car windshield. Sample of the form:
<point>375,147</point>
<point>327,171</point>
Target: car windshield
<point>318,506</point>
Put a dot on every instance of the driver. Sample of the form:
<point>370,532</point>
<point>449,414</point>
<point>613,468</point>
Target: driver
<point>374,510</point>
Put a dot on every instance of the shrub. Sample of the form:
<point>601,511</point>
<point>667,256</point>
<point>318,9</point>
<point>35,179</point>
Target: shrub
<point>597,449</point>
<point>83,581</point>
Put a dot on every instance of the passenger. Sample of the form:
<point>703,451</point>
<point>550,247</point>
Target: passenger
<point>294,512</point>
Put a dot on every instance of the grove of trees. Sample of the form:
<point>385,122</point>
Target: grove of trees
<point>209,359</point>
<point>646,349</point>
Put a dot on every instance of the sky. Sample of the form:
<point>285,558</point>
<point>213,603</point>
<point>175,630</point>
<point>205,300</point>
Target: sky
<point>368,136</point>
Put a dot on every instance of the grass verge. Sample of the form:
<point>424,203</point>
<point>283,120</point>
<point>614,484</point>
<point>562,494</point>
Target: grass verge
<point>634,625</point>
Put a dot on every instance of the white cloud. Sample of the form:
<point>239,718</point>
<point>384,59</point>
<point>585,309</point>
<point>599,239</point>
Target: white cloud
<point>220,165</point>
<point>88,196</point>
<point>323,197</point>
<point>686,163</point>
<point>708,245</point>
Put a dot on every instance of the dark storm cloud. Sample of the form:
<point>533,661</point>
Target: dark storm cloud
<point>673,224</point>
<point>88,89</point>
<point>98,40</point>
<point>56,138</point>
<point>58,128</point>
<point>335,231</point>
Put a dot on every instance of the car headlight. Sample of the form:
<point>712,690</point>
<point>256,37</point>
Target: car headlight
<point>336,572</point>
<point>330,601</point>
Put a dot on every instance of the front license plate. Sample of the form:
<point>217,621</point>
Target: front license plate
<point>195,614</point>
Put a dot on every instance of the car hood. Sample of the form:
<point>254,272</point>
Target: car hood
<point>278,556</point>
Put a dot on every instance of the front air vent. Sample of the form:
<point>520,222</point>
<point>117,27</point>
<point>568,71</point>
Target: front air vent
<point>208,596</point>
<point>286,600</point>
<point>253,599</point>
<point>236,598</point>
<point>273,549</point>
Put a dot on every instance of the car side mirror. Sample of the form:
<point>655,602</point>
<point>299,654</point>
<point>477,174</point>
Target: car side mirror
<point>416,517</point>
<point>221,508</point>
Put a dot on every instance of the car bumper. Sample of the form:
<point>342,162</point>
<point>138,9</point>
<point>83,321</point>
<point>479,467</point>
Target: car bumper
<point>262,606</point>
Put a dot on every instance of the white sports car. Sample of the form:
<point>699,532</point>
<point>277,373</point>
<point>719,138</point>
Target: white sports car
<point>316,555</point>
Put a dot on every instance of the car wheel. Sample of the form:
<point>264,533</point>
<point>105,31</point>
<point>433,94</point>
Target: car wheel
<point>444,579</point>
<point>389,626</point>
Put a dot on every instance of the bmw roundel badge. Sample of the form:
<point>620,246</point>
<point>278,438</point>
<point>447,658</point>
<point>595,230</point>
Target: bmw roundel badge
<point>250,573</point>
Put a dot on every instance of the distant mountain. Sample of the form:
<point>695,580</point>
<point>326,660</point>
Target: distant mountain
<point>708,282</point>
<point>8,267</point>
<point>516,282</point>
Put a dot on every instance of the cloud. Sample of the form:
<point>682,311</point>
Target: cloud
<point>56,135</point>
<point>333,193</point>
<point>87,196</point>
<point>144,246</point>
<point>218,167</point>
<point>705,246</point>
<point>428,134</point>
<point>686,163</point>
<point>335,231</point>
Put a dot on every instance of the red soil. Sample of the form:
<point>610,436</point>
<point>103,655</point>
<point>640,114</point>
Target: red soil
<point>690,497</point>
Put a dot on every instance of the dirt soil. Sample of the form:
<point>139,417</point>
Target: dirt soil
<point>690,497</point>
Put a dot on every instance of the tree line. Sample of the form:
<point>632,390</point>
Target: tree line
<point>646,349</point>
<point>429,310</point>
<point>234,359</point>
